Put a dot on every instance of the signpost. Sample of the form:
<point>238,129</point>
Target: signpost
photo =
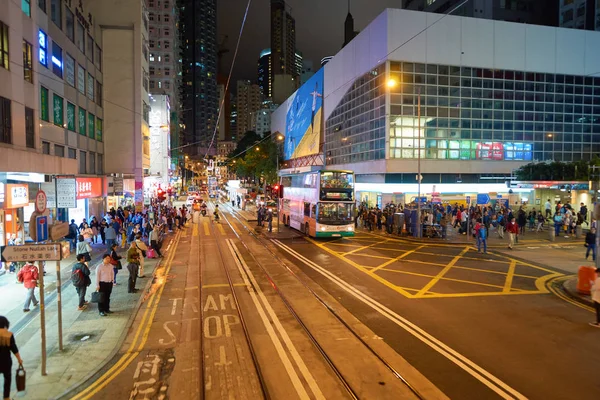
<point>41,228</point>
<point>40,202</point>
<point>483,199</point>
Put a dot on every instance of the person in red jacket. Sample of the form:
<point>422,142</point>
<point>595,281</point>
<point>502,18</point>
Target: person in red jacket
<point>513,230</point>
<point>29,275</point>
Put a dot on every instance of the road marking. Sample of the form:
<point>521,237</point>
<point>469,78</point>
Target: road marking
<point>206,229</point>
<point>509,276</point>
<point>255,295</point>
<point>443,279</point>
<point>195,230</point>
<point>443,272</point>
<point>221,285</point>
<point>131,352</point>
<point>385,264</point>
<point>564,297</point>
<point>489,380</point>
<point>221,229</point>
<point>364,247</point>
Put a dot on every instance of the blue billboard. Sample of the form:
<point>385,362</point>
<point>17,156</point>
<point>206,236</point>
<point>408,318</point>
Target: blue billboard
<point>304,119</point>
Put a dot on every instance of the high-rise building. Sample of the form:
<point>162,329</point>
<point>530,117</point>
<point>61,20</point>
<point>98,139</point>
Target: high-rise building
<point>233,119</point>
<point>307,71</point>
<point>298,63</point>
<point>248,101</point>
<point>349,32</point>
<point>199,94</point>
<point>538,12</point>
<point>265,72</point>
<point>261,118</point>
<point>283,51</point>
<point>580,14</point>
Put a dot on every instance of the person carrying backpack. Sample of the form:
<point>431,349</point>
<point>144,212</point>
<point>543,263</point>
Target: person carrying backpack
<point>482,239</point>
<point>80,277</point>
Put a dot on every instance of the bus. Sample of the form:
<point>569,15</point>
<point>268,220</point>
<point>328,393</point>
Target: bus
<point>319,203</point>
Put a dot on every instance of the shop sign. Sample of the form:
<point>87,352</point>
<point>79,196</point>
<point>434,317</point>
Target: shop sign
<point>40,201</point>
<point>88,188</point>
<point>17,196</point>
<point>118,186</point>
<point>66,193</point>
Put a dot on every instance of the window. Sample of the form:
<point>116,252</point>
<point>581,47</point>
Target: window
<point>90,86</point>
<point>57,60</point>
<point>98,58</point>
<point>167,44</point>
<point>152,71</point>
<point>167,32</point>
<point>26,7</point>
<point>167,71</point>
<point>46,147</point>
<point>151,43</point>
<point>167,5</point>
<point>58,112</point>
<point>70,70</point>
<point>90,48</point>
<point>167,58</point>
<point>80,37</point>
<point>4,45</point>
<point>152,57</point>
<point>71,117</point>
<point>56,12</point>
<point>29,128</point>
<point>98,129</point>
<point>43,42</point>
<point>99,93</point>
<point>91,125</point>
<point>70,24</point>
<point>5,121</point>
<point>82,162</point>
<point>145,79</point>
<point>100,165</point>
<point>59,151</point>
<point>44,106</point>
<point>145,111</point>
<point>151,84</point>
<point>92,162</point>
<point>81,121</point>
<point>151,17</point>
<point>27,62</point>
<point>42,5</point>
<point>72,153</point>
<point>81,79</point>
<point>166,18</point>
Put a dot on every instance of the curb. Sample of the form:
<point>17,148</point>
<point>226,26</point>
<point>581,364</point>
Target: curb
<point>75,388</point>
<point>569,286</point>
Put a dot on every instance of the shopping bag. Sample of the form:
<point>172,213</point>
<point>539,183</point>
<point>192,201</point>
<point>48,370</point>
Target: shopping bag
<point>97,297</point>
<point>20,378</point>
<point>150,253</point>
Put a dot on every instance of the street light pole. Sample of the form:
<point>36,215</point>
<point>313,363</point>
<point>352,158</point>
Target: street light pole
<point>420,229</point>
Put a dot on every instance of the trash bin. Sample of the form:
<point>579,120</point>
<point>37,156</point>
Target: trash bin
<point>551,233</point>
<point>585,276</point>
<point>578,231</point>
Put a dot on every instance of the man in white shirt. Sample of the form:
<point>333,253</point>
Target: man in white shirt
<point>105,277</point>
<point>548,207</point>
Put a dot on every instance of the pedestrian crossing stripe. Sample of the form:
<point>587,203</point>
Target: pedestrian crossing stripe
<point>195,230</point>
<point>221,229</point>
<point>206,230</point>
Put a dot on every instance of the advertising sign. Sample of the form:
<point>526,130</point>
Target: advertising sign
<point>304,119</point>
<point>17,196</point>
<point>89,187</point>
<point>118,186</point>
<point>66,193</point>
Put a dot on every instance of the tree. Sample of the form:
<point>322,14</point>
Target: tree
<point>249,139</point>
<point>557,171</point>
<point>259,162</point>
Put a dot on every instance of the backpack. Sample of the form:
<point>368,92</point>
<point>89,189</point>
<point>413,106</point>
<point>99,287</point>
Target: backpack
<point>78,278</point>
<point>483,232</point>
<point>501,220</point>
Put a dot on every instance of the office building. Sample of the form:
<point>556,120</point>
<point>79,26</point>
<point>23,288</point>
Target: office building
<point>349,32</point>
<point>160,138</point>
<point>492,96</point>
<point>261,118</point>
<point>307,71</point>
<point>199,93</point>
<point>539,12</point>
<point>298,63</point>
<point>283,51</point>
<point>580,14</point>
<point>248,101</point>
<point>233,120</point>
<point>265,73</point>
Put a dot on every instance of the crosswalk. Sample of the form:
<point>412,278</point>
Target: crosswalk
<point>202,228</point>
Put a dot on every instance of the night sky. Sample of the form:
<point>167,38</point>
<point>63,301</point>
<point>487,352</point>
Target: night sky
<point>319,28</point>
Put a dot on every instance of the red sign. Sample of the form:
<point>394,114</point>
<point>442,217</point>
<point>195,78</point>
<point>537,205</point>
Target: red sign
<point>89,188</point>
<point>40,201</point>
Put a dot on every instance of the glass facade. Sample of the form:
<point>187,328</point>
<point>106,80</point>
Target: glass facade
<point>355,131</point>
<point>493,115</point>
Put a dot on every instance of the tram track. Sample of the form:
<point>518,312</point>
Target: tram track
<point>352,392</point>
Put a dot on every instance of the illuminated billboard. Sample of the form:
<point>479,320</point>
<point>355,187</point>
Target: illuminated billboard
<point>303,119</point>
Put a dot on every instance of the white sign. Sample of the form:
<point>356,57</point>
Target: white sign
<point>32,252</point>
<point>50,191</point>
<point>66,193</point>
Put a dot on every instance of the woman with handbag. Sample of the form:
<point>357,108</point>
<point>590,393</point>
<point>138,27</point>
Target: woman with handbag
<point>116,261</point>
<point>84,248</point>
<point>7,346</point>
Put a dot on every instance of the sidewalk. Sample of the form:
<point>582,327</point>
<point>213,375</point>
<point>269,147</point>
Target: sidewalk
<point>89,341</point>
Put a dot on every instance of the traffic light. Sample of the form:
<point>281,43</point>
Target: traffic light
<point>160,194</point>
<point>279,191</point>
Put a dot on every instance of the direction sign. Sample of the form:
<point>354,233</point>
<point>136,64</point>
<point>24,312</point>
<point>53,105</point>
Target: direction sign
<point>40,201</point>
<point>483,198</point>
<point>499,196</point>
<point>41,228</point>
<point>32,252</point>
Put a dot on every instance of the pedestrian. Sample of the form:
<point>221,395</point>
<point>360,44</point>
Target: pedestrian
<point>80,277</point>
<point>584,212</point>
<point>123,237</point>
<point>116,261</point>
<point>95,226</point>
<point>155,241</point>
<point>84,248</point>
<point>102,228</point>
<point>269,220</point>
<point>590,243</point>
<point>133,263</point>
<point>482,239</point>
<point>104,284</point>
<point>28,275</point>
<point>259,216</point>
<point>87,232</point>
<point>7,345</point>
<point>110,235</point>
<point>73,234</point>
<point>558,223</point>
<point>548,207</point>
<point>513,231</point>
<point>595,292</point>
<point>141,249</point>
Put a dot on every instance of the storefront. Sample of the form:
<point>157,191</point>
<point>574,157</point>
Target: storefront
<point>14,197</point>
<point>90,200</point>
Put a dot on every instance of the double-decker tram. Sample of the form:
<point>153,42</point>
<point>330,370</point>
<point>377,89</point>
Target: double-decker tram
<point>319,203</point>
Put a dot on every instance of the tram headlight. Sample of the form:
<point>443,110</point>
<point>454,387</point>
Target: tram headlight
<point>322,229</point>
<point>350,228</point>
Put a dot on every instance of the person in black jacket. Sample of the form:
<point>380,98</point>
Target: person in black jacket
<point>590,243</point>
<point>81,280</point>
<point>7,345</point>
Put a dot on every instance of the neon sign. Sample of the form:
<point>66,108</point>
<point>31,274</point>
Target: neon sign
<point>43,41</point>
<point>57,62</point>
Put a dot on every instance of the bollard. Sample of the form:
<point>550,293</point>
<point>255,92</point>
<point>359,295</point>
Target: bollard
<point>578,231</point>
<point>551,233</point>
<point>585,278</point>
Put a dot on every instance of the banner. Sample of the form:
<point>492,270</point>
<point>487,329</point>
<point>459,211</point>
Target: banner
<point>89,188</point>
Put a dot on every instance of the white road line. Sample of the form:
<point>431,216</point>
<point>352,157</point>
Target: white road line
<point>463,362</point>
<point>276,342</point>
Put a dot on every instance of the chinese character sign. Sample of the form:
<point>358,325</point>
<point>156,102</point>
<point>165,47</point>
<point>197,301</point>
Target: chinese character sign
<point>17,196</point>
<point>89,188</point>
